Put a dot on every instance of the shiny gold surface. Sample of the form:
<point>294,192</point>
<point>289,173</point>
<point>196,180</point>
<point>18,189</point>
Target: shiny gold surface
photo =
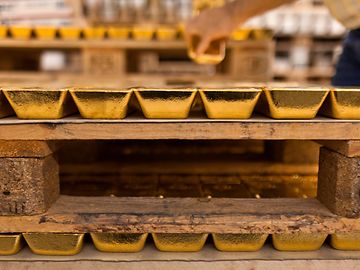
<point>119,242</point>
<point>98,103</point>
<point>292,103</point>
<point>45,32</point>
<point>212,56</point>
<point>5,108</point>
<point>118,32</point>
<point>343,104</point>
<point>166,33</point>
<point>346,241</point>
<point>239,242</point>
<point>39,103</point>
<point>3,31</point>
<point>237,103</point>
<point>10,244</point>
<point>20,32</point>
<point>165,103</point>
<point>241,34</point>
<point>94,32</point>
<point>143,32</point>
<point>179,242</point>
<point>71,33</point>
<point>298,241</point>
<point>54,243</point>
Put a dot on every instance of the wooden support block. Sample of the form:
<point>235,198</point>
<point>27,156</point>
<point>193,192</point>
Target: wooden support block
<point>104,61</point>
<point>347,148</point>
<point>26,148</point>
<point>339,183</point>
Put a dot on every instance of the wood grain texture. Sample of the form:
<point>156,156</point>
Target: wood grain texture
<point>346,148</point>
<point>111,214</point>
<point>32,149</point>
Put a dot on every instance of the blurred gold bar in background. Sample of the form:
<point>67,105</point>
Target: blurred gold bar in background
<point>239,242</point>
<point>345,241</point>
<point>101,103</point>
<point>45,32</point>
<point>166,33</point>
<point>143,32</point>
<point>21,32</point>
<point>54,243</point>
<point>298,241</point>
<point>237,103</point>
<point>179,242</point>
<point>118,32</point>
<point>213,55</point>
<point>70,32</point>
<point>261,34</point>
<point>119,242</point>
<point>343,103</point>
<point>39,103</point>
<point>3,31</point>
<point>10,244</point>
<point>166,103</point>
<point>241,34</point>
<point>94,32</point>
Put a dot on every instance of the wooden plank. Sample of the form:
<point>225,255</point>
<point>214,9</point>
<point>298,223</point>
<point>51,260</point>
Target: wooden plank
<point>190,215</point>
<point>346,148</point>
<point>32,149</point>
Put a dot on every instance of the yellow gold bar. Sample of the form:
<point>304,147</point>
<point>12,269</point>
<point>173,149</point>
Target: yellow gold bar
<point>143,32</point>
<point>343,103</point>
<point>345,241</point>
<point>119,242</point>
<point>20,32</point>
<point>39,103</point>
<point>5,108</point>
<point>292,103</point>
<point>54,243</point>
<point>45,32</point>
<point>212,56</point>
<point>261,34</point>
<point>101,103</point>
<point>70,33</point>
<point>94,32</point>
<point>236,103</point>
<point>166,33</point>
<point>10,244</point>
<point>298,241</point>
<point>166,103</point>
<point>241,34</point>
<point>3,31</point>
<point>179,242</point>
<point>239,242</point>
<point>118,32</point>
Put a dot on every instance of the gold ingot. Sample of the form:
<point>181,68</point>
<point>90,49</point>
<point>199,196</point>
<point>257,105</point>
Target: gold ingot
<point>10,244</point>
<point>45,32</point>
<point>5,108</point>
<point>298,241</point>
<point>292,103</point>
<point>237,103</point>
<point>179,242</point>
<point>118,32</point>
<point>94,32</point>
<point>70,33</point>
<point>119,242</point>
<point>165,103</point>
<point>345,241</point>
<point>143,32</point>
<point>100,103</point>
<point>213,55</point>
<point>21,32</point>
<point>261,34</point>
<point>3,31</point>
<point>55,243</point>
<point>343,104</point>
<point>241,34</point>
<point>166,33</point>
<point>239,242</point>
<point>39,103</point>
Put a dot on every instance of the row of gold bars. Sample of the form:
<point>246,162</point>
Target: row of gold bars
<point>172,103</point>
<point>137,32</point>
<point>71,244</point>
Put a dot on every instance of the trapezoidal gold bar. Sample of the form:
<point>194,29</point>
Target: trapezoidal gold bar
<point>298,241</point>
<point>179,242</point>
<point>343,103</point>
<point>119,242</point>
<point>10,244</point>
<point>143,32</point>
<point>166,33</point>
<point>39,103</point>
<point>94,32</point>
<point>101,103</point>
<point>5,108</point>
<point>165,103</point>
<point>3,31</point>
<point>45,32</point>
<point>118,32</point>
<point>345,241</point>
<point>241,34</point>
<point>239,242</point>
<point>236,103</point>
<point>212,56</point>
<point>21,32</point>
<point>54,243</point>
<point>70,32</point>
<point>292,103</point>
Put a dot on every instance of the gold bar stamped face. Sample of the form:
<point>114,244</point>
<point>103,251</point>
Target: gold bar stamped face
<point>239,242</point>
<point>179,242</point>
<point>298,241</point>
<point>230,103</point>
<point>100,103</point>
<point>54,243</point>
<point>343,103</point>
<point>345,241</point>
<point>10,244</point>
<point>119,242</point>
<point>165,103</point>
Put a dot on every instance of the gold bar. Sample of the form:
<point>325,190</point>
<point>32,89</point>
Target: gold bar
<point>241,34</point>
<point>143,32</point>
<point>39,103</point>
<point>292,103</point>
<point>5,108</point>
<point>118,32</point>
<point>70,33</point>
<point>21,32</point>
<point>239,242</point>
<point>119,242</point>
<point>179,242</point>
<point>166,103</point>
<point>101,103</point>
<point>3,31</point>
<point>237,103</point>
<point>345,241</point>
<point>54,243</point>
<point>298,241</point>
<point>94,32</point>
<point>45,32</point>
<point>10,244</point>
<point>343,103</point>
<point>166,33</point>
<point>261,34</point>
<point>212,56</point>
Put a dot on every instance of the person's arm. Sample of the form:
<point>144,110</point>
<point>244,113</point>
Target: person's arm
<point>219,23</point>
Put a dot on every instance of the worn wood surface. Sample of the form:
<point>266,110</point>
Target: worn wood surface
<point>24,149</point>
<point>347,148</point>
<point>111,214</point>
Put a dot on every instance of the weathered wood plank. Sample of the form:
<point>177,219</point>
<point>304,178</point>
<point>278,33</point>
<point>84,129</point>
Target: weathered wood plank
<point>347,148</point>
